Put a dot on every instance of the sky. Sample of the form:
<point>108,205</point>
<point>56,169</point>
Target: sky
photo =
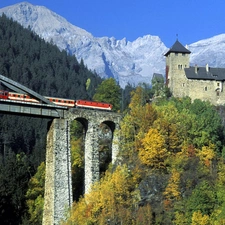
<point>186,20</point>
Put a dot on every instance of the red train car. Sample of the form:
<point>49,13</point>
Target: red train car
<point>93,105</point>
<point>4,94</point>
<point>58,101</point>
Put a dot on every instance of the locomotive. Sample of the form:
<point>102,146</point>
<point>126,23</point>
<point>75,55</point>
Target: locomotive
<point>58,101</point>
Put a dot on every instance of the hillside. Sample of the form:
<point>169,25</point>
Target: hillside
<point>42,67</point>
<point>170,168</point>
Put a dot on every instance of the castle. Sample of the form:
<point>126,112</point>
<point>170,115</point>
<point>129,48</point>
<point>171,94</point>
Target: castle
<point>203,83</point>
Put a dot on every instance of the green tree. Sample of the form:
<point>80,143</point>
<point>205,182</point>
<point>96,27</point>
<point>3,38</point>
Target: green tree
<point>14,176</point>
<point>207,125</point>
<point>158,85</point>
<point>109,91</point>
<point>35,196</point>
<point>203,199</point>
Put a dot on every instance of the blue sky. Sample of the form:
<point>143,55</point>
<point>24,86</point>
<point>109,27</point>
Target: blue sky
<point>191,20</point>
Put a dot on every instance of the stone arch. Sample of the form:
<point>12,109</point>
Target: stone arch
<point>114,126</point>
<point>105,140</point>
<point>110,124</point>
<point>83,121</point>
<point>78,139</point>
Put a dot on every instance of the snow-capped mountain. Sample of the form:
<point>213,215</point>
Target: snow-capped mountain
<point>209,51</point>
<point>128,62</point>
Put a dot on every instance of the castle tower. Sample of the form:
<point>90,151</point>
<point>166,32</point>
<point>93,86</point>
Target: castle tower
<point>177,59</point>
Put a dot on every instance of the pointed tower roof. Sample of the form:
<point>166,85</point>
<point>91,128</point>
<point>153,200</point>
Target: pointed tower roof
<point>178,48</point>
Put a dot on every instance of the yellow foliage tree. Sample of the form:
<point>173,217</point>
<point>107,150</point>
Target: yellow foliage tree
<point>169,132</point>
<point>199,219</point>
<point>206,154</point>
<point>143,114</point>
<point>172,192</point>
<point>153,152</point>
<point>111,200</point>
<point>180,218</point>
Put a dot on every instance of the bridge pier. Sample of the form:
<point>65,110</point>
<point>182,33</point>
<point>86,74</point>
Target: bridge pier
<point>115,143</point>
<point>58,180</point>
<point>92,172</point>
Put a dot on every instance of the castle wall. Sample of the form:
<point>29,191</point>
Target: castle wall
<point>181,86</point>
<point>206,90</point>
<point>176,62</point>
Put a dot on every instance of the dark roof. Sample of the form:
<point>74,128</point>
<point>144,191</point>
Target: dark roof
<point>157,76</point>
<point>178,48</point>
<point>202,74</point>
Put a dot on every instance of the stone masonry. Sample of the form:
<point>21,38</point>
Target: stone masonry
<point>196,82</point>
<point>58,180</point>
<point>58,183</point>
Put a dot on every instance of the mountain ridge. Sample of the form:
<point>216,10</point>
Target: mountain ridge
<point>128,62</point>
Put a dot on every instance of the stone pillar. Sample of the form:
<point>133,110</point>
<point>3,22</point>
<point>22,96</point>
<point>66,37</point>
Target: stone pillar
<point>58,180</point>
<point>91,167</point>
<point>115,143</point>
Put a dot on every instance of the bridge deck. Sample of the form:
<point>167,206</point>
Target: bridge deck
<point>32,109</point>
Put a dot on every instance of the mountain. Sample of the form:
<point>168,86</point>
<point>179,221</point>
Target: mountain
<point>127,62</point>
<point>209,51</point>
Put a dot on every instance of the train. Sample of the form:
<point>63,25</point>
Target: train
<point>58,101</point>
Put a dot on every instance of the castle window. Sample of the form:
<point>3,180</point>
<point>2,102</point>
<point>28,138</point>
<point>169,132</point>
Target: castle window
<point>183,85</point>
<point>205,88</point>
<point>218,84</point>
<point>180,67</point>
<point>183,54</point>
<point>176,54</point>
<point>217,93</point>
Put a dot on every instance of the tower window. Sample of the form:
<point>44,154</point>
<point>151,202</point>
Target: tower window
<point>205,88</point>
<point>183,54</point>
<point>176,54</point>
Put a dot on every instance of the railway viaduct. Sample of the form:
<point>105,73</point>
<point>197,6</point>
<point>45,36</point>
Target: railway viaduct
<point>58,181</point>
<point>58,188</point>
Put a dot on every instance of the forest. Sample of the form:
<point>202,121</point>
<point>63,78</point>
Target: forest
<point>42,67</point>
<point>170,168</point>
